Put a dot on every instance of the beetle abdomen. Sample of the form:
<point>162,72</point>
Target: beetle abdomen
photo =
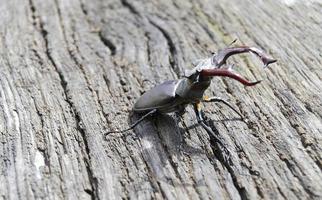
<point>158,97</point>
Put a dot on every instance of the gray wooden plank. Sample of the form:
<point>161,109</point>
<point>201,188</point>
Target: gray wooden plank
<point>71,70</point>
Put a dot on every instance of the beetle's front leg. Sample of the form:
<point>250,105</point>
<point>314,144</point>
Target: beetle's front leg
<point>199,113</point>
<point>220,100</point>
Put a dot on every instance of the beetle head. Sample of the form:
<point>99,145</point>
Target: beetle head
<point>199,65</point>
<point>213,66</point>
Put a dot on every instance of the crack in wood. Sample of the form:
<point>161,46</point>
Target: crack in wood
<point>93,180</point>
<point>172,48</point>
<point>289,165</point>
<point>130,7</point>
<point>63,83</point>
<point>108,43</point>
<point>219,153</point>
<point>288,115</point>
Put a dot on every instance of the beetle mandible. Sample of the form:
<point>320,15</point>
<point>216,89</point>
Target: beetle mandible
<point>175,95</point>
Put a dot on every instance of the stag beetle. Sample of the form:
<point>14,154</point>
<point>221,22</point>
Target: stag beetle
<point>175,95</point>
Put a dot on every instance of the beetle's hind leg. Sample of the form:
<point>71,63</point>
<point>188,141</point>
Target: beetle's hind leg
<point>199,113</point>
<point>135,123</point>
<point>220,100</point>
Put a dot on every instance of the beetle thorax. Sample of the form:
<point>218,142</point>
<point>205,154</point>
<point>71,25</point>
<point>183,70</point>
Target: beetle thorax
<point>193,89</point>
<point>193,86</point>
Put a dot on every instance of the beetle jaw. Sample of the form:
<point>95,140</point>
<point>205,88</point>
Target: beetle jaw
<point>222,56</point>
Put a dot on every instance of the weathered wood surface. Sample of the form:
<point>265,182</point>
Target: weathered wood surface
<point>70,70</point>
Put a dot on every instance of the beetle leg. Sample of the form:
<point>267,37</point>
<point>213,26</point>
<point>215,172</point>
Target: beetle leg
<point>199,113</point>
<point>220,100</point>
<point>135,123</point>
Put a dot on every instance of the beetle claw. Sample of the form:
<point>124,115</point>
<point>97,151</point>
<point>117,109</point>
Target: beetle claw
<point>263,56</point>
<point>228,73</point>
<point>222,56</point>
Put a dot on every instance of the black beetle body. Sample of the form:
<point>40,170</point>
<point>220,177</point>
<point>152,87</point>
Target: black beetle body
<point>171,96</point>
<point>175,95</point>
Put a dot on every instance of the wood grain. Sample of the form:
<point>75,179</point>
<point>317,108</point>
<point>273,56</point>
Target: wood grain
<point>72,70</point>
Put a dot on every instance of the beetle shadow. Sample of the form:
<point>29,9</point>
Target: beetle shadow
<point>173,135</point>
<point>166,137</point>
<point>162,144</point>
<point>208,120</point>
<point>166,132</point>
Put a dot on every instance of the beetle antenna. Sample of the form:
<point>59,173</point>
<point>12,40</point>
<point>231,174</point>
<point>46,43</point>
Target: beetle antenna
<point>231,43</point>
<point>134,124</point>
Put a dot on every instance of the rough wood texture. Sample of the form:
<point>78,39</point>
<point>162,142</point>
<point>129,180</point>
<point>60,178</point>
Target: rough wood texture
<point>70,70</point>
